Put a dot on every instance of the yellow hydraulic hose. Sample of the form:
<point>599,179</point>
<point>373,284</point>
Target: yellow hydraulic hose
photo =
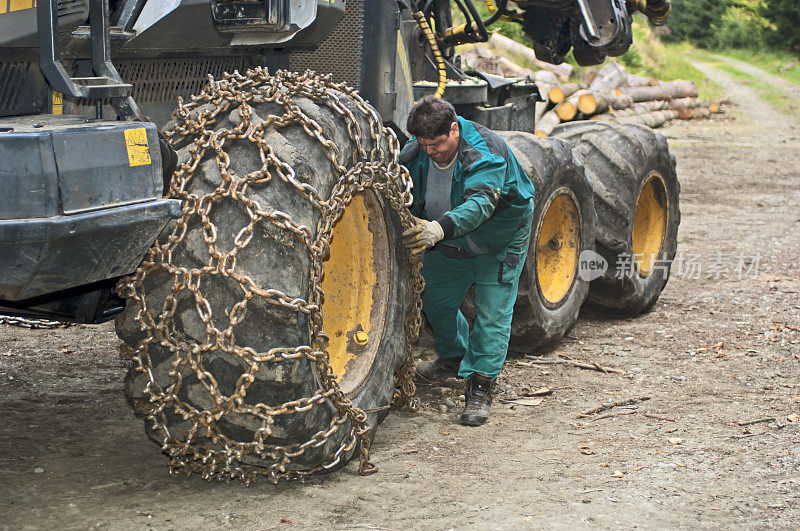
<point>460,30</point>
<point>434,47</point>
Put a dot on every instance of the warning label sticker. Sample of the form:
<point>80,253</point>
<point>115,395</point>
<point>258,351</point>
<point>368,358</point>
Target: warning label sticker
<point>58,103</point>
<point>138,148</point>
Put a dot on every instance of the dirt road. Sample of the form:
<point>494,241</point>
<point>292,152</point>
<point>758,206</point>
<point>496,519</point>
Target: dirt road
<point>721,348</point>
<point>776,81</point>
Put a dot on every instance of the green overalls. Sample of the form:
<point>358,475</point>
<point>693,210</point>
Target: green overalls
<point>492,201</point>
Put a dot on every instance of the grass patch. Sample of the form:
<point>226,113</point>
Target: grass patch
<point>769,61</point>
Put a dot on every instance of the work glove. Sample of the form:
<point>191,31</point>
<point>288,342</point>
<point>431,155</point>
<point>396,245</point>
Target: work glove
<point>416,226</point>
<point>422,236</point>
<point>417,222</point>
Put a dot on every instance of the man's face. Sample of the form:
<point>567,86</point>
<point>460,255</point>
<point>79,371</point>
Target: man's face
<point>443,148</point>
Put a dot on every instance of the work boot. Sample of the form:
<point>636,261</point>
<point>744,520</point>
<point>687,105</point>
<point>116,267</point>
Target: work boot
<point>478,400</point>
<point>438,369</point>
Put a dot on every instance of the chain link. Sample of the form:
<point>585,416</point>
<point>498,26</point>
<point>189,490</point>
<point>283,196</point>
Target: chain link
<point>35,324</point>
<point>376,168</point>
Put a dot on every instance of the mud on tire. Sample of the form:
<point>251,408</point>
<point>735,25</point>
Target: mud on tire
<point>227,368</point>
<point>635,189</point>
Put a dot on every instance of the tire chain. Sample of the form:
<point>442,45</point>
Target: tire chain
<point>377,169</point>
<point>34,324</point>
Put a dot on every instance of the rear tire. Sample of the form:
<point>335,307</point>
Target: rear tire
<point>636,189</point>
<point>175,396</point>
<point>551,292</point>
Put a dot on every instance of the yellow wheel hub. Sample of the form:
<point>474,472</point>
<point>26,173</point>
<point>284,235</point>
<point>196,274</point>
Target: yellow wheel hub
<point>356,286</point>
<point>558,246</point>
<point>650,223</point>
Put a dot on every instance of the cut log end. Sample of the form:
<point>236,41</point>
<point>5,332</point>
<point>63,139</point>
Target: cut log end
<point>587,104</point>
<point>556,95</point>
<point>563,91</point>
<point>566,111</point>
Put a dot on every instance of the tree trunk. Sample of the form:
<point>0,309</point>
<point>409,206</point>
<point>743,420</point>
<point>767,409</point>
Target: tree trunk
<point>545,80</point>
<point>685,103</point>
<point>716,106</point>
<point>610,77</point>
<point>652,119</point>
<point>587,102</point>
<point>603,103</point>
<point>545,76</point>
<point>511,69</point>
<point>484,60</point>
<point>546,125</point>
<point>693,114</point>
<point>636,109</point>
<point>668,90</point>
<point>568,108</point>
<point>539,108</point>
<point>641,81</point>
<point>559,93</point>
<point>479,58</point>
<point>642,108</point>
<point>510,47</point>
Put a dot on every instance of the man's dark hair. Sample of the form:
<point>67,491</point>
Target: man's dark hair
<point>431,117</point>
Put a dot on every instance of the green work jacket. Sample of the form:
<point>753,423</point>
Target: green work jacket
<point>491,197</point>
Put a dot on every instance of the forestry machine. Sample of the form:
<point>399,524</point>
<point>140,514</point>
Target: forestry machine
<point>220,234</point>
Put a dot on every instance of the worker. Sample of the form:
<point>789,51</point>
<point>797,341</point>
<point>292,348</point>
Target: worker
<point>473,207</point>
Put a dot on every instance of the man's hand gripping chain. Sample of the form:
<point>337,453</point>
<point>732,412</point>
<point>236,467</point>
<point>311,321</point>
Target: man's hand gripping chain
<point>422,235</point>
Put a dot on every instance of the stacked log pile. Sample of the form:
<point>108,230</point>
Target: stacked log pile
<point>612,94</point>
<point>616,96</point>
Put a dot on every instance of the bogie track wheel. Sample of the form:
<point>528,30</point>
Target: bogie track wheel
<point>551,290</point>
<point>635,189</point>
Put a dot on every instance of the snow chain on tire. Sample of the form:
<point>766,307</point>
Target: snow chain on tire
<point>33,324</point>
<point>205,449</point>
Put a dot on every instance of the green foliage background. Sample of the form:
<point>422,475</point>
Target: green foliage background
<point>742,24</point>
<point>717,24</point>
<point>761,32</point>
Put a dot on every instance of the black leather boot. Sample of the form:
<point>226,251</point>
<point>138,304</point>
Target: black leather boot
<point>438,369</point>
<point>478,400</point>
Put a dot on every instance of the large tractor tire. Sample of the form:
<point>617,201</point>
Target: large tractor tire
<point>551,292</point>
<point>636,189</point>
<point>242,365</point>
